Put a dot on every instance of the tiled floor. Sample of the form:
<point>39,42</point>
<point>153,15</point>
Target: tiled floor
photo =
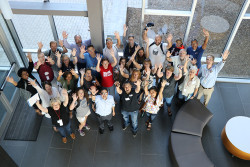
<point>119,148</point>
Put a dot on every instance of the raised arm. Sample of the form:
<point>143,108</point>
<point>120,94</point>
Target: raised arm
<point>73,104</point>
<point>31,64</point>
<point>50,60</point>
<point>82,71</point>
<point>117,36</point>
<point>133,56</point>
<point>73,72</point>
<point>206,34</point>
<point>159,73</point>
<point>65,50</point>
<point>123,74</point>
<point>169,40</point>
<point>118,89</point>
<point>138,86</point>
<point>163,83</point>
<point>146,88</point>
<point>60,75</point>
<point>185,70</point>
<point>11,80</point>
<point>147,48</point>
<point>177,77</point>
<point>58,63</point>
<point>65,42</point>
<point>98,57</point>
<point>66,97</point>
<point>224,57</point>
<point>114,58</point>
<point>38,63</point>
<point>45,110</point>
<point>168,58</point>
<point>145,35</point>
<point>40,46</point>
<point>82,51</point>
<point>93,93</point>
<point>73,53</point>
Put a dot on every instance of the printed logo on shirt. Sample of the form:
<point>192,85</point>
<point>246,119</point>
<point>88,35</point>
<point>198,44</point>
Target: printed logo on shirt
<point>155,51</point>
<point>107,74</point>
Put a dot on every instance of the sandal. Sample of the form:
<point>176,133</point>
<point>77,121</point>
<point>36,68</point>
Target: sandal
<point>149,126</point>
<point>169,113</point>
<point>147,122</point>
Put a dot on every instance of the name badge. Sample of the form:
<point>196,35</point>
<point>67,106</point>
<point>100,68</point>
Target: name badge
<point>167,83</point>
<point>127,99</point>
<point>130,95</point>
<point>60,122</point>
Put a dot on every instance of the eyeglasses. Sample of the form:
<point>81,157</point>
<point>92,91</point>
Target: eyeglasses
<point>104,93</point>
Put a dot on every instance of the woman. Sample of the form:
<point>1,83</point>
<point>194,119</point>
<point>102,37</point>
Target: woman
<point>137,58</point>
<point>87,80</point>
<point>121,74</point>
<point>148,74</point>
<point>59,115</point>
<point>153,100</point>
<point>68,80</point>
<point>106,71</point>
<point>189,87</point>
<point>65,64</point>
<point>169,89</point>
<point>135,76</point>
<point>81,104</point>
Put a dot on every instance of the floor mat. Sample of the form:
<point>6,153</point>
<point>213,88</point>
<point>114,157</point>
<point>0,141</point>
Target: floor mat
<point>25,123</point>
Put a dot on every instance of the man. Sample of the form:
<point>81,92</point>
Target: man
<point>78,43</point>
<point>52,52</point>
<point>209,73</point>
<point>110,47</point>
<point>129,104</point>
<point>105,108</point>
<point>196,51</point>
<point>157,49</point>
<point>44,68</point>
<point>129,47</point>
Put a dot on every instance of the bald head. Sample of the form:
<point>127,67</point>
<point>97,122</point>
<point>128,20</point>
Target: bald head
<point>158,39</point>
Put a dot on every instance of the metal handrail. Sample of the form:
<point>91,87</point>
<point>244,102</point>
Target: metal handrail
<point>11,69</point>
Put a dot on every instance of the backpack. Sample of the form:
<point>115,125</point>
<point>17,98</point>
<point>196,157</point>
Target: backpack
<point>160,46</point>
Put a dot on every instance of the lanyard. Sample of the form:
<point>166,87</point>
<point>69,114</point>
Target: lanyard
<point>58,114</point>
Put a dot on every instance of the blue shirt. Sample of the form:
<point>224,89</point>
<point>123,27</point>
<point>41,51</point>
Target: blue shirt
<point>209,76</point>
<point>104,107</point>
<point>91,62</point>
<point>197,54</point>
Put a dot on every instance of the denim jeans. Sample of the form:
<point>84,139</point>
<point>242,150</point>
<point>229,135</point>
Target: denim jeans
<point>151,117</point>
<point>63,130</point>
<point>182,97</point>
<point>111,90</point>
<point>102,119</point>
<point>168,100</point>
<point>134,119</point>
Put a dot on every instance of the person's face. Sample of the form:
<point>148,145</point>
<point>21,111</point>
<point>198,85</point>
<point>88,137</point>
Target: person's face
<point>109,44</point>
<point>178,43</point>
<point>157,40</point>
<point>25,75</point>
<point>127,88</point>
<point>80,94</point>
<point>69,77</point>
<point>141,53</point>
<point>123,62</point>
<point>194,44</point>
<point>146,65</point>
<point>182,54</point>
<point>56,106</point>
<point>105,64</point>
<point>169,73</point>
<point>209,60</point>
<point>91,51</point>
<point>104,94</point>
<point>66,61</point>
<point>136,75</point>
<point>78,40</point>
<point>53,47</point>
<point>192,73</point>
<point>48,88</point>
<point>153,93</point>
<point>131,41</point>
<point>88,73</point>
<point>41,58</point>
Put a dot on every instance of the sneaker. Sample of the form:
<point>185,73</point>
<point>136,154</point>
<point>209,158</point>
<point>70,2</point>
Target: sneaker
<point>124,127</point>
<point>134,134</point>
<point>111,128</point>
<point>64,140</point>
<point>81,133</point>
<point>72,135</point>
<point>87,127</point>
<point>101,131</point>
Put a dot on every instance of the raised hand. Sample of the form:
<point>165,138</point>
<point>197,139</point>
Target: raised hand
<point>93,90</point>
<point>73,71</point>
<point>169,37</point>
<point>98,57</point>
<point>49,59</point>
<point>194,61</point>
<point>40,45</point>
<point>10,79</point>
<point>74,97</point>
<point>38,63</point>
<point>82,49</point>
<point>29,56</point>
<point>82,71</point>
<point>137,47</point>
<point>160,66</point>
<point>117,84</point>
<point>58,54</point>
<point>205,32</point>
<point>225,54</point>
<point>32,82</point>
<point>73,52</point>
<point>163,83</point>
<point>138,82</point>
<point>146,83</point>
<point>168,54</point>
<point>60,42</point>
<point>60,73</point>
<point>64,34</point>
<point>64,92</point>
<point>117,36</point>
<point>125,28</point>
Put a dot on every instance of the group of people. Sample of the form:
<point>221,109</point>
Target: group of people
<point>86,81</point>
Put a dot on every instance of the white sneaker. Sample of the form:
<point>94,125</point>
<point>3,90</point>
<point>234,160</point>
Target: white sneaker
<point>87,127</point>
<point>81,133</point>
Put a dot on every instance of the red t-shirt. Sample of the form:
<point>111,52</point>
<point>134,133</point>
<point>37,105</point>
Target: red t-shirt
<point>107,76</point>
<point>45,72</point>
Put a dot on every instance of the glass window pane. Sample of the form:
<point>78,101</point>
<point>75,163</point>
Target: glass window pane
<point>2,111</point>
<point>73,25</point>
<point>4,61</point>
<point>33,28</point>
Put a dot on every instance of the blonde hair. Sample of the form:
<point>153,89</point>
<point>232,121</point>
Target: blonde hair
<point>55,100</point>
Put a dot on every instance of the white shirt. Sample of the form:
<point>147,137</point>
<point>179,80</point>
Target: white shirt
<point>104,107</point>
<point>106,53</point>
<point>176,62</point>
<point>155,53</point>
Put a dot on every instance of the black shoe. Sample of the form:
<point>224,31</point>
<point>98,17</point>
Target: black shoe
<point>101,131</point>
<point>111,128</point>
<point>124,127</point>
<point>134,134</point>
